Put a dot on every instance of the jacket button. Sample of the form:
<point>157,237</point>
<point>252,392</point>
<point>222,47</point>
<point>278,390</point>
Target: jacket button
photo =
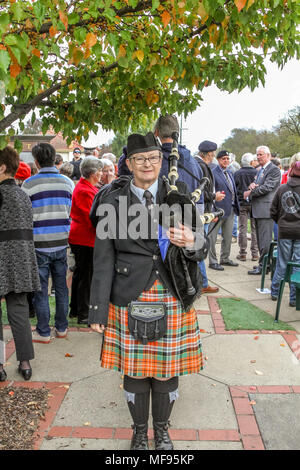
<point>156,272</point>
<point>96,307</point>
<point>155,257</point>
<point>125,270</point>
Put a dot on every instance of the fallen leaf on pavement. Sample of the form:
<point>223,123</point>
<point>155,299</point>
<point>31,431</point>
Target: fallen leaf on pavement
<point>69,355</point>
<point>256,337</point>
<point>258,372</point>
<point>253,361</point>
<point>252,402</point>
<point>87,423</point>
<point>282,344</point>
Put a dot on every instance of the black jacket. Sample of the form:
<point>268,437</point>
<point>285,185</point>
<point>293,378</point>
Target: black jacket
<point>243,178</point>
<point>125,267</point>
<point>209,191</point>
<point>285,209</point>
<point>76,175</point>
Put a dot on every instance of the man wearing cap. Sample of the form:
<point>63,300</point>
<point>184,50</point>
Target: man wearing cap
<point>129,269</point>
<point>224,183</point>
<point>207,152</point>
<point>261,193</point>
<point>76,164</point>
<point>164,127</point>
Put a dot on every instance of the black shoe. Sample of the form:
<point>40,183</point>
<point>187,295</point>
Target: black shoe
<point>3,375</point>
<point>216,266</point>
<point>162,439</point>
<point>73,315</point>
<point>82,321</point>
<point>139,439</point>
<point>292,304</point>
<point>229,263</point>
<point>26,373</point>
<point>255,272</point>
<point>273,297</point>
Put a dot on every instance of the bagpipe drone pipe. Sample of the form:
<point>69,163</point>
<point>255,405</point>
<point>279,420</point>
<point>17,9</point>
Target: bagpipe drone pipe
<point>180,262</point>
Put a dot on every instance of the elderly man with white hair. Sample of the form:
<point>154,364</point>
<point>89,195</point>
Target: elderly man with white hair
<point>243,178</point>
<point>261,193</point>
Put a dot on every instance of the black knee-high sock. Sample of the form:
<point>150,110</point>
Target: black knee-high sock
<point>164,393</point>
<point>137,392</point>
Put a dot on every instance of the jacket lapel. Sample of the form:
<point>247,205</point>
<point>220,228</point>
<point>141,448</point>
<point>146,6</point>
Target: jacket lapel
<point>124,219</point>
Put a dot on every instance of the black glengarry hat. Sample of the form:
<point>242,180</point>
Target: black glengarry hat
<point>223,153</point>
<point>137,143</point>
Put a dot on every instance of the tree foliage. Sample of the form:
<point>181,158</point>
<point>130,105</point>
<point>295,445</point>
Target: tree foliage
<point>79,63</point>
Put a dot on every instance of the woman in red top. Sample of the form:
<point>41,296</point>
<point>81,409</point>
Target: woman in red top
<point>82,236</point>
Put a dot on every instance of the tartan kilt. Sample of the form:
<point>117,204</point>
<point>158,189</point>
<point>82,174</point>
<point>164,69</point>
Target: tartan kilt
<point>179,352</point>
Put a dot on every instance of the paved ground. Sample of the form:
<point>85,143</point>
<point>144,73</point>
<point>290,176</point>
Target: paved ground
<point>247,397</point>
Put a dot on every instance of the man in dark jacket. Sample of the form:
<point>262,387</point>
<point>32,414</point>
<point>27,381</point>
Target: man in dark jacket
<point>243,178</point>
<point>261,193</point>
<point>207,152</point>
<point>285,211</point>
<point>223,182</point>
<point>76,164</point>
<point>163,129</point>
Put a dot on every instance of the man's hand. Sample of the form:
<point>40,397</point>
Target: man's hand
<point>246,194</point>
<point>182,237</point>
<point>220,195</point>
<point>98,328</point>
<point>253,185</point>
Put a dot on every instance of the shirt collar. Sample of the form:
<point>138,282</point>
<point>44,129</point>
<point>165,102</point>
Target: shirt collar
<point>139,192</point>
<point>49,169</point>
<point>265,166</point>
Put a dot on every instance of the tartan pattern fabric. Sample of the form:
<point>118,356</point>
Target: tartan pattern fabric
<point>177,353</point>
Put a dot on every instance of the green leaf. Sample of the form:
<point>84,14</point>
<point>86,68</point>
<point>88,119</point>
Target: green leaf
<point>39,10</point>
<point>4,19</point>
<point>73,18</point>
<point>4,139</point>
<point>123,62</point>
<point>18,12</point>
<point>18,145</point>
<point>4,60</point>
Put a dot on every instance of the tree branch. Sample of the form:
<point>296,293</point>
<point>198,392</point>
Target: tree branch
<point>20,110</point>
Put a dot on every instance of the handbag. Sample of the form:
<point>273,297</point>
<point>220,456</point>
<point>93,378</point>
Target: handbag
<point>147,321</point>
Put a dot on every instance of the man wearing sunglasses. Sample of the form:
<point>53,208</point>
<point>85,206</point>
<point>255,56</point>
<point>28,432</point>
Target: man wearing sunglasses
<point>76,164</point>
<point>224,182</point>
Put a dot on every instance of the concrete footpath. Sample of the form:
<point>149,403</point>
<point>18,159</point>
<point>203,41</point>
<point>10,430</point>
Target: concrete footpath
<point>247,396</point>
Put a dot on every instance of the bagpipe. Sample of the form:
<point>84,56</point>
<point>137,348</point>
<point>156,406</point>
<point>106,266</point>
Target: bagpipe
<point>180,262</point>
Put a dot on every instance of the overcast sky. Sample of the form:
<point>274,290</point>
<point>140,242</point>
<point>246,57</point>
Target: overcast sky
<point>220,112</point>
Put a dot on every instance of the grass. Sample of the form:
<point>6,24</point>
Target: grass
<point>72,321</point>
<point>238,314</point>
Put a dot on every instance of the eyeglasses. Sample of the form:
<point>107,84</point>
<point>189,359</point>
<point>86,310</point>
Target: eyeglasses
<point>225,158</point>
<point>142,160</point>
<point>260,154</point>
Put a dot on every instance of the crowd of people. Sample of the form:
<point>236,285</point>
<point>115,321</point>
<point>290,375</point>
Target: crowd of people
<point>127,288</point>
